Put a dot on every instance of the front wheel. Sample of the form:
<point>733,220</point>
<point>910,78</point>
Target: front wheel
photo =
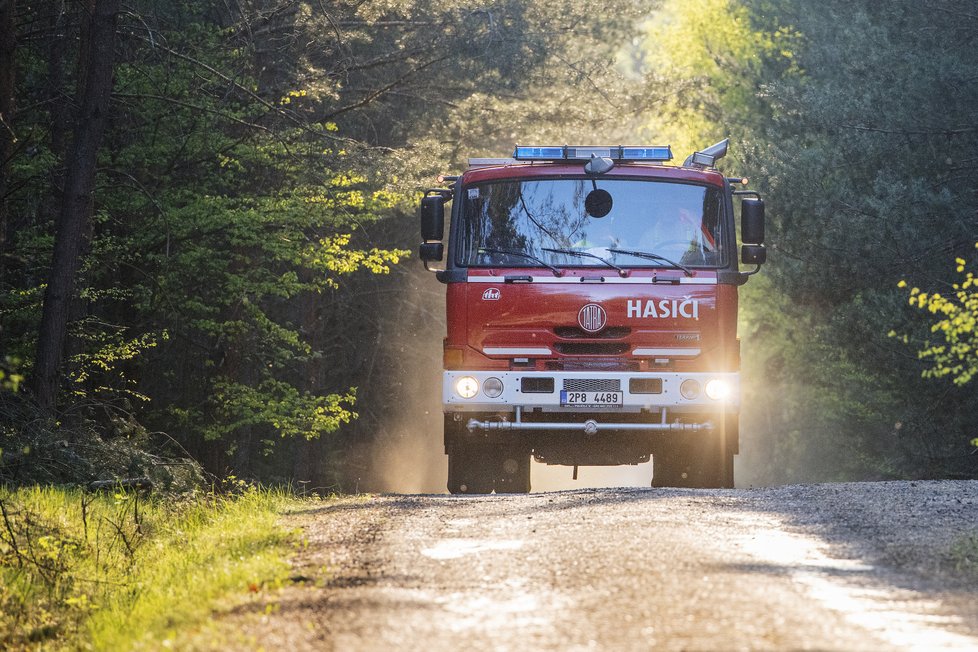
<point>469,470</point>
<point>512,473</point>
<point>480,468</point>
<point>693,464</point>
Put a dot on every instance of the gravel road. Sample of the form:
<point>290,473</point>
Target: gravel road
<point>860,566</point>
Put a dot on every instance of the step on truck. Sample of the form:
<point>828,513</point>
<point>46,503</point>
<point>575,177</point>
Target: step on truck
<point>591,312</point>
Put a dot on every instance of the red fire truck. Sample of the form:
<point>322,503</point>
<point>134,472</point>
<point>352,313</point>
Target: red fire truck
<point>592,313</point>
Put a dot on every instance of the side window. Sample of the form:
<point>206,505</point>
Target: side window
<point>705,232</point>
<point>712,226</point>
<point>474,224</point>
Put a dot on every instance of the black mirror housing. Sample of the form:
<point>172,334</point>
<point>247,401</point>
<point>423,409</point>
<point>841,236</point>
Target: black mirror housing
<point>432,251</point>
<point>432,217</point>
<point>752,221</point>
<point>753,254</point>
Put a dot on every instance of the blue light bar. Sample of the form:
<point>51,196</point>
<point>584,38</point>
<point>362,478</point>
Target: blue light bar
<point>646,153</point>
<point>538,153</point>
<point>614,152</point>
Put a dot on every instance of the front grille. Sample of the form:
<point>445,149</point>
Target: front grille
<point>575,333</point>
<point>537,385</point>
<point>592,364</point>
<point>592,385</point>
<point>580,348</point>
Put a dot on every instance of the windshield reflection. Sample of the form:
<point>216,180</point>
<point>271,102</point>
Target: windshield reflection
<point>504,222</point>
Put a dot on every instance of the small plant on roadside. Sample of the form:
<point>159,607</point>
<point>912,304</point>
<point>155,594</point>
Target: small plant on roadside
<point>964,556</point>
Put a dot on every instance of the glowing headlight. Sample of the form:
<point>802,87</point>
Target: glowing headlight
<point>718,390</point>
<point>466,386</point>
<point>690,389</point>
<point>492,387</point>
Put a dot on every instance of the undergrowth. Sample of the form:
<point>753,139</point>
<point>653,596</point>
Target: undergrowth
<point>80,449</point>
<point>118,570</point>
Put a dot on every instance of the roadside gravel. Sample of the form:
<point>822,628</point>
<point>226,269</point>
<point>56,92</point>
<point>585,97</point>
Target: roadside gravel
<point>927,529</point>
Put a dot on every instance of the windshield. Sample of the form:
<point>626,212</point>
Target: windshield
<point>591,223</point>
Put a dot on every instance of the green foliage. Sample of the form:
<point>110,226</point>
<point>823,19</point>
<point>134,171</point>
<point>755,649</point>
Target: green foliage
<point>849,120</point>
<point>280,406</point>
<point>956,320</point>
<point>713,57</point>
<point>257,165</point>
<point>220,217</point>
<point>858,207</point>
<point>106,352</point>
<point>119,571</point>
<point>10,380</point>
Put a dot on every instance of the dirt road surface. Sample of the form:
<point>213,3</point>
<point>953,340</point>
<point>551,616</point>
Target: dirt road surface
<point>869,566</point>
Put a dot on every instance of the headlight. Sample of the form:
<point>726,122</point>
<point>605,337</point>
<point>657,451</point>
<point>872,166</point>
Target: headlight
<point>492,387</point>
<point>690,389</point>
<point>718,390</point>
<point>466,386</point>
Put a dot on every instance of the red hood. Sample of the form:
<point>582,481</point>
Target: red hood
<point>630,320</point>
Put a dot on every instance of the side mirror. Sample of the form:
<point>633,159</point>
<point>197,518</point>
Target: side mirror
<point>432,251</point>
<point>432,217</point>
<point>753,254</point>
<point>752,221</point>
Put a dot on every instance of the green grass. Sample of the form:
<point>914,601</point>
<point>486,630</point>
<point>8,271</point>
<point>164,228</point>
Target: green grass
<point>117,571</point>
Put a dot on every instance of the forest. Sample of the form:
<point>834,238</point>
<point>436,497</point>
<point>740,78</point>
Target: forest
<point>208,223</point>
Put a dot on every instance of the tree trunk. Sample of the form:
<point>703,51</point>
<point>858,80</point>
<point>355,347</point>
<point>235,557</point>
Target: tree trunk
<point>56,93</point>
<point>8,46</point>
<point>96,60</point>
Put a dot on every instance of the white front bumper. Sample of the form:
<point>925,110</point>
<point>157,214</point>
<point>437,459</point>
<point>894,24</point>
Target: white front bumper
<point>512,396</point>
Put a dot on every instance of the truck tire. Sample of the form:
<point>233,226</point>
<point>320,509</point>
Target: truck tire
<point>696,465</point>
<point>512,471</point>
<point>668,467</point>
<point>470,469</point>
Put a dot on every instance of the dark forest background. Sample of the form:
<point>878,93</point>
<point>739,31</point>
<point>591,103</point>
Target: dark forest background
<point>207,217</point>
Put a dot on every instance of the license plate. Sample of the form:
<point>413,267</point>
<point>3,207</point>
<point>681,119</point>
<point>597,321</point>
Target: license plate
<point>590,399</point>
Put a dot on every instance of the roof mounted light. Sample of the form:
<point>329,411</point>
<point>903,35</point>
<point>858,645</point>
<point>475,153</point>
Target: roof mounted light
<point>651,154</point>
<point>598,165</point>
<point>587,153</point>
<point>708,157</point>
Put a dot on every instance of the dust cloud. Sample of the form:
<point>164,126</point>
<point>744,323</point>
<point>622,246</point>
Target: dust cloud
<point>400,401</point>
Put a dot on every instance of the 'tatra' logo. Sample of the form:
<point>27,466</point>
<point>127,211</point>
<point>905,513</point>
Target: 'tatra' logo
<point>492,294</point>
<point>592,318</point>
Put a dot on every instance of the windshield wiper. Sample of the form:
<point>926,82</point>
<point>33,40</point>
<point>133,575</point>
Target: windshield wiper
<point>652,256</point>
<point>573,252</point>
<point>507,252</point>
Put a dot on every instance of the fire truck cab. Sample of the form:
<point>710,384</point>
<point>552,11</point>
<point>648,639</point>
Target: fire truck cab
<point>591,313</point>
